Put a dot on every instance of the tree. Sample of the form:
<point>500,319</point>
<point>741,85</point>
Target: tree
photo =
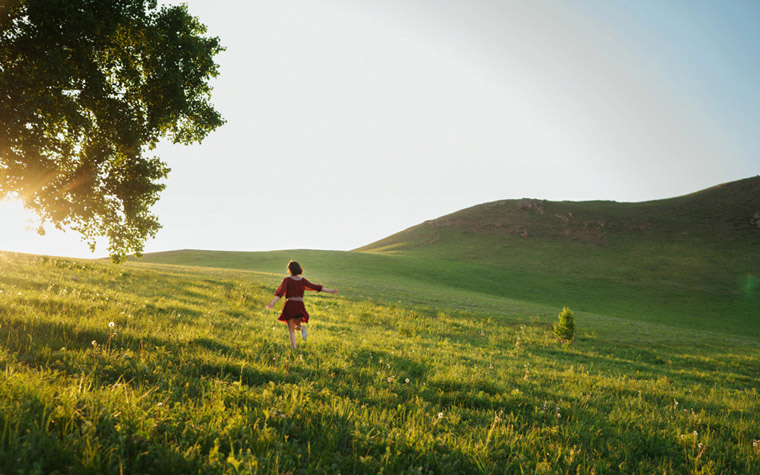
<point>87,89</point>
<point>564,329</point>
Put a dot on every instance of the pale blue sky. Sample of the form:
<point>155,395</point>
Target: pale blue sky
<point>352,120</point>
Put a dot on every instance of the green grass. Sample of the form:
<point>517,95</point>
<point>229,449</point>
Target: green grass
<point>690,261</point>
<point>669,284</point>
<point>686,261</point>
<point>199,377</point>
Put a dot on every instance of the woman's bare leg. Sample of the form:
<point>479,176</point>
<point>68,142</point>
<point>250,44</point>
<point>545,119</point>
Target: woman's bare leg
<point>292,332</point>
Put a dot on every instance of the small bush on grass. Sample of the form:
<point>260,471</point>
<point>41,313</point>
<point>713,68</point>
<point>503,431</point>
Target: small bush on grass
<point>564,329</point>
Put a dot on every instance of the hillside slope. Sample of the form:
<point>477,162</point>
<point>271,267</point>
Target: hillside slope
<point>724,214</point>
<point>691,258</point>
<point>687,261</point>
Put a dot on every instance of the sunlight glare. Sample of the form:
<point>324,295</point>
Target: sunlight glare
<point>18,234</point>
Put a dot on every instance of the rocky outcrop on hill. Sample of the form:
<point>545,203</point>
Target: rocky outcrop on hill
<point>756,219</point>
<point>535,205</point>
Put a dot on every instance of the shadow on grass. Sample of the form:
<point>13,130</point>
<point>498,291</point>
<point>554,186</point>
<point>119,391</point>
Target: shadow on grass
<point>652,363</point>
<point>148,360</point>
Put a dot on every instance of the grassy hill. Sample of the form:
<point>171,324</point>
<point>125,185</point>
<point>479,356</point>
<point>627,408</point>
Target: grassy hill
<point>687,261</point>
<point>724,216</point>
<point>196,377</point>
<point>436,357</point>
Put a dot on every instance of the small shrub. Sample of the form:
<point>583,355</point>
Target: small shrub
<point>564,329</point>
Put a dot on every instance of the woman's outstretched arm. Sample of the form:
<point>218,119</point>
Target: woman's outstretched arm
<point>316,287</point>
<point>270,305</point>
<point>280,292</point>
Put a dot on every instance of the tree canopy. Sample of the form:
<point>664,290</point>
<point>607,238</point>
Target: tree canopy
<point>87,90</point>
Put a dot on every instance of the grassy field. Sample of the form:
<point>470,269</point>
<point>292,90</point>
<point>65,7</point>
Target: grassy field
<point>676,285</point>
<point>686,262</point>
<point>689,261</point>
<point>416,367</point>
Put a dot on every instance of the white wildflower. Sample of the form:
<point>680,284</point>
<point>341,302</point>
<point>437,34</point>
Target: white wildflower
<point>406,380</point>
<point>695,434</point>
<point>94,343</point>
<point>440,415</point>
<point>111,325</point>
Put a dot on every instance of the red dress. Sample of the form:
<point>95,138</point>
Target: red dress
<point>295,288</point>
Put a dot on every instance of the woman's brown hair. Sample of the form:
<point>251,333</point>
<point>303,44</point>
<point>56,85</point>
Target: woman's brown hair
<point>294,268</point>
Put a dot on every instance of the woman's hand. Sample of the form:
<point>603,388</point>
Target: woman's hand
<point>270,305</point>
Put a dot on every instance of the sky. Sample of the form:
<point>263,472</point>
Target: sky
<point>348,121</point>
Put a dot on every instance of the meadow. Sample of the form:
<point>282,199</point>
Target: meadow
<point>689,262</point>
<point>684,285</point>
<point>403,372</point>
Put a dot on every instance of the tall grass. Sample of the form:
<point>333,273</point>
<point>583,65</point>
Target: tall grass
<point>196,376</point>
